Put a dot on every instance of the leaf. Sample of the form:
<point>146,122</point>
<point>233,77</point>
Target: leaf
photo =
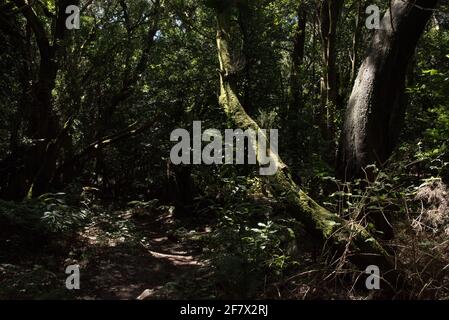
<point>431,72</point>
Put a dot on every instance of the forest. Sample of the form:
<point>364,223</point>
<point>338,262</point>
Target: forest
<point>224,149</point>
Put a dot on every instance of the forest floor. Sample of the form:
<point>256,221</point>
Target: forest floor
<point>123,254</point>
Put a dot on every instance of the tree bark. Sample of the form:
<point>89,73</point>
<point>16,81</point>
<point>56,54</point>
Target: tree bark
<point>375,113</point>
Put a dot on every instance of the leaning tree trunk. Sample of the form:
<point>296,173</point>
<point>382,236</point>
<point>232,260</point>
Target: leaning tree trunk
<point>375,113</point>
<point>322,225</point>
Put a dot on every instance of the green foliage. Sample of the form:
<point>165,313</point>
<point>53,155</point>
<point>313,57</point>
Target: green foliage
<point>112,73</point>
<point>48,215</point>
<point>249,242</point>
<point>60,216</point>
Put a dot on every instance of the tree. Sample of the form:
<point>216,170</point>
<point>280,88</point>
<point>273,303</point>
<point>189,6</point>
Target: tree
<point>329,15</point>
<point>321,224</point>
<point>39,161</point>
<point>297,57</point>
<point>376,110</point>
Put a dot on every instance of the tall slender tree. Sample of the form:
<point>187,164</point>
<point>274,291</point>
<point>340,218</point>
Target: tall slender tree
<point>329,16</point>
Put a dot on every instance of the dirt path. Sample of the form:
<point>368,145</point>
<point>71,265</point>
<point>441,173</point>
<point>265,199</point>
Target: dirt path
<point>130,258</point>
<point>122,253</point>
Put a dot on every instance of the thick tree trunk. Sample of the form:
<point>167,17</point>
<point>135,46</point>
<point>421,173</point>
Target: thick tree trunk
<point>375,112</point>
<point>324,226</point>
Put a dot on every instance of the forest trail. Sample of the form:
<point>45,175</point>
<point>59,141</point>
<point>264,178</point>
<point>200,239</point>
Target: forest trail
<point>133,257</point>
<point>122,253</point>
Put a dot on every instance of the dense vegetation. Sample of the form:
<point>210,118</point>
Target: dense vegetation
<point>86,116</point>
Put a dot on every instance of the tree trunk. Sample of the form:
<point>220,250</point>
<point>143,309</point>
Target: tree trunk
<point>322,225</point>
<point>375,113</point>
<point>295,92</point>
<point>356,39</point>
<point>330,12</point>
